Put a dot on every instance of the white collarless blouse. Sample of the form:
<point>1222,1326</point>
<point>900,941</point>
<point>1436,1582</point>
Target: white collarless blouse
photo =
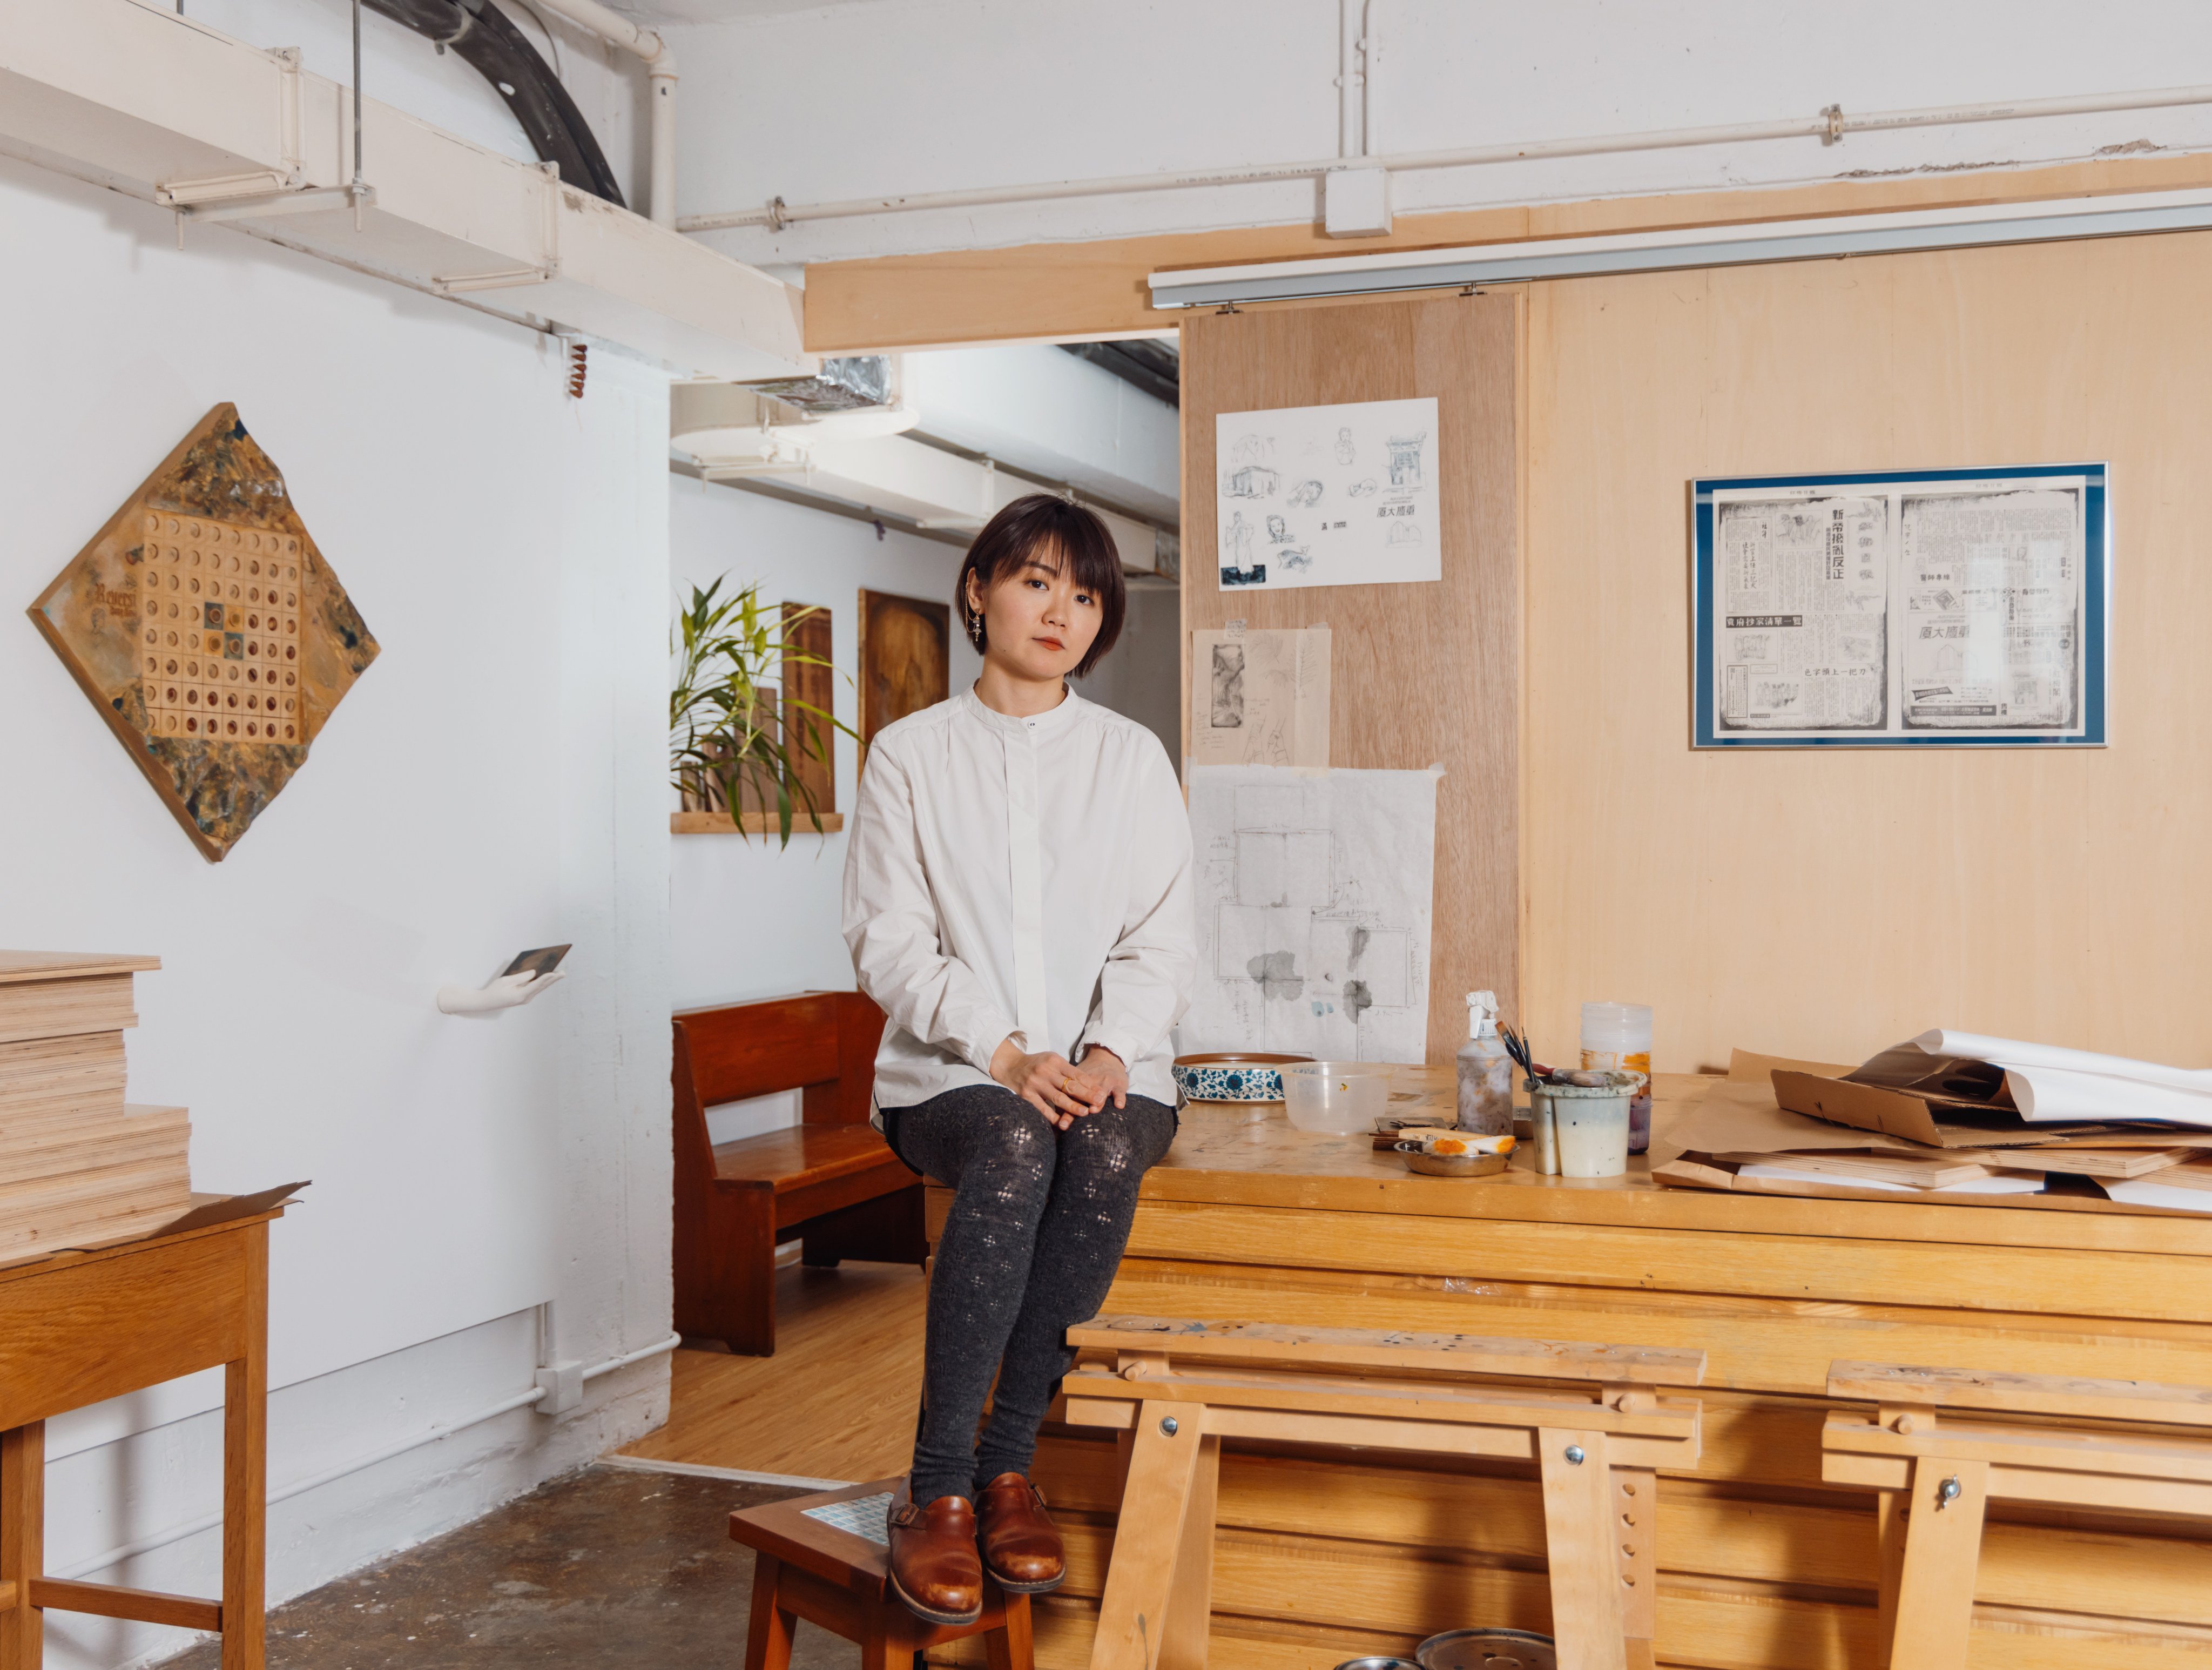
<point>1018,878</point>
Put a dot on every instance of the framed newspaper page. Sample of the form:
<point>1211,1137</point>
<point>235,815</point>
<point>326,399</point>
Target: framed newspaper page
<point>1902,609</point>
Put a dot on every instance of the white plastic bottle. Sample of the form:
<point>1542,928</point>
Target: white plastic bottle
<point>1485,1071</point>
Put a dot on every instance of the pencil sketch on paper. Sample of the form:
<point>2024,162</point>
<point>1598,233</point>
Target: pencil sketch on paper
<point>1266,697</point>
<point>1373,463</point>
<point>1228,683</point>
<point>1314,911</point>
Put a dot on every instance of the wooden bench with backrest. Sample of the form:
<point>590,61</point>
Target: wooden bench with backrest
<point>831,1180</point>
<point>1591,1419</point>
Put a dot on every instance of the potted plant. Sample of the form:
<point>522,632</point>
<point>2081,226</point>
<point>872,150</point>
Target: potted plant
<point>733,746</point>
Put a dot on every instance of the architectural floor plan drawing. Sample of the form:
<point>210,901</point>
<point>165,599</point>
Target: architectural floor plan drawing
<point>1314,911</point>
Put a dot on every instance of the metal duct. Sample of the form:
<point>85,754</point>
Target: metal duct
<point>841,385</point>
<point>483,38</point>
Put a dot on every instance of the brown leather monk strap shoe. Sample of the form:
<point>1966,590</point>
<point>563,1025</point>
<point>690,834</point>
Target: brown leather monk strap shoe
<point>1021,1545</point>
<point>933,1566</point>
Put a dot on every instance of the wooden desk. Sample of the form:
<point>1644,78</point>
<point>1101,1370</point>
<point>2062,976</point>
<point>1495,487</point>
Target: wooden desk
<point>79,1327</point>
<point>1318,1557</point>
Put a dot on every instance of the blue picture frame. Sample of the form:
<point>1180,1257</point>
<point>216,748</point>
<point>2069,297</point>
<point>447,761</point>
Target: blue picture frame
<point>1719,721</point>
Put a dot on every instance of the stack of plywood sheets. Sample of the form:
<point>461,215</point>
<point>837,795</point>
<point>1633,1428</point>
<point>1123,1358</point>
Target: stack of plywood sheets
<point>78,1164</point>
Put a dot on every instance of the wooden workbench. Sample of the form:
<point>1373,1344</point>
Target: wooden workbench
<point>78,1328</point>
<point>1761,1565</point>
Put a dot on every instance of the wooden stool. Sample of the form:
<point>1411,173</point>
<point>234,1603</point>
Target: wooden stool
<point>831,1572</point>
<point>1935,1473</point>
<point>1173,1389</point>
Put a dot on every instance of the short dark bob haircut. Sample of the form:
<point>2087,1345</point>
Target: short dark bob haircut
<point>1040,528</point>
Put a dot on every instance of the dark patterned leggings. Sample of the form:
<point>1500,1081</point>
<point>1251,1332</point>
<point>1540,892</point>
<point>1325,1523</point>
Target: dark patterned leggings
<point>1039,1219</point>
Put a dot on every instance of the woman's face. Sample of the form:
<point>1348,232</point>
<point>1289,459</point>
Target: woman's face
<point>1039,623</point>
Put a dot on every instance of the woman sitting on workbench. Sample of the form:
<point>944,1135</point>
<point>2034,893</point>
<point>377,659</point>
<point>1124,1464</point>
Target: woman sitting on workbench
<point>1017,900</point>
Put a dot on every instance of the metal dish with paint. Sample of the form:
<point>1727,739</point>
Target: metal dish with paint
<point>1381,1662</point>
<point>1488,1649</point>
<point>1232,1076</point>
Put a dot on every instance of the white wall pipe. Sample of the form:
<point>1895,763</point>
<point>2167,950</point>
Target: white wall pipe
<point>301,1486</point>
<point>660,80</point>
<point>1349,80</point>
<point>1825,126</point>
<point>1370,80</point>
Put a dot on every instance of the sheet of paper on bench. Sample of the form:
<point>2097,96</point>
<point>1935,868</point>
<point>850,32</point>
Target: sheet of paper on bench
<point>1995,1185</point>
<point>2050,1083</point>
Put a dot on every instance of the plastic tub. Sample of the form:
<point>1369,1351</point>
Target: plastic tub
<point>1341,1097</point>
<point>1590,1125</point>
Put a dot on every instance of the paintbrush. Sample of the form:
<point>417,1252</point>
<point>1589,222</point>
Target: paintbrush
<point>1517,1048</point>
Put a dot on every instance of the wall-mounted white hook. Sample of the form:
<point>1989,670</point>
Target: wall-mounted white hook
<point>522,980</point>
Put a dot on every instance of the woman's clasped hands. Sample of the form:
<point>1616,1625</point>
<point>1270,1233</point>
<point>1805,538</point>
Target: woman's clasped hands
<point>1056,1087</point>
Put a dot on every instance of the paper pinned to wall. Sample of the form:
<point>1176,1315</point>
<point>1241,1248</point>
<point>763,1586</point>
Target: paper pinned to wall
<point>1314,911</point>
<point>1328,496</point>
<point>1260,698</point>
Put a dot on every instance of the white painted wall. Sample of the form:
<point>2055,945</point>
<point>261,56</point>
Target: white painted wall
<point>1046,411</point>
<point>1142,674</point>
<point>894,96</point>
<point>494,782</point>
<point>749,919</point>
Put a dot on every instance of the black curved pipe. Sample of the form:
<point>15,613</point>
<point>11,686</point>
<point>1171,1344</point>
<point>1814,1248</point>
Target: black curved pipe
<point>486,39</point>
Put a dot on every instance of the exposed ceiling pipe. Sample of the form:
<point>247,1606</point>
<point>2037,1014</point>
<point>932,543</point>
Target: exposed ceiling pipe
<point>1829,126</point>
<point>660,71</point>
<point>486,39</point>
<point>1350,81</point>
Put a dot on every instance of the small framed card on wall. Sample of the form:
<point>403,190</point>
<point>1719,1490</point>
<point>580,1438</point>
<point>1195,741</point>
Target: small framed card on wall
<point>1902,608</point>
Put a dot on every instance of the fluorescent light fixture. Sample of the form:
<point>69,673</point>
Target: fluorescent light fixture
<point>1746,245</point>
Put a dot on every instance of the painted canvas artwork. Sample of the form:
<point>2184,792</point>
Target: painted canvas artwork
<point>208,631</point>
<point>906,658</point>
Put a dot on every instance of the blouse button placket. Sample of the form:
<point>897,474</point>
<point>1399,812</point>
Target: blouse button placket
<point>1022,846</point>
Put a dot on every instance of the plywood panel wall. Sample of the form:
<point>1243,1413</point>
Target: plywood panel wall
<point>1827,903</point>
<point>1421,674</point>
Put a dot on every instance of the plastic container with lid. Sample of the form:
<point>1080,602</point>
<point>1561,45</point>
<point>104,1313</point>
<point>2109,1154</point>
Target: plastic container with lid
<point>1335,1096</point>
<point>1617,1037</point>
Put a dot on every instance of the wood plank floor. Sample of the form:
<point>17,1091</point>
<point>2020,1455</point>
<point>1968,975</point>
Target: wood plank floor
<point>837,1399</point>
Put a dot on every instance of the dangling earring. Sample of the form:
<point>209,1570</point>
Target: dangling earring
<point>975,624</point>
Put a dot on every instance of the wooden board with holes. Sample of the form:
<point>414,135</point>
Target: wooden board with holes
<point>209,631</point>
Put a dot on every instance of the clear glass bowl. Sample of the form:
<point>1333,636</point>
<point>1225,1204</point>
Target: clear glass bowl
<point>1339,1097</point>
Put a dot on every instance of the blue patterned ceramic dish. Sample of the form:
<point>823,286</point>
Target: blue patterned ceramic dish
<point>1232,1077</point>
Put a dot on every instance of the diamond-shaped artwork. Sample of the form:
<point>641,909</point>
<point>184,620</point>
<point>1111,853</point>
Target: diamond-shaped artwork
<point>208,631</point>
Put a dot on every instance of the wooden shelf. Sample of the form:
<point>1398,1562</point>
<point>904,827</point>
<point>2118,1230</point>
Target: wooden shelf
<point>756,823</point>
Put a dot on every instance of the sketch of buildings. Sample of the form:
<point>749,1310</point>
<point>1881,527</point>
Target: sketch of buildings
<point>1368,461</point>
<point>1313,908</point>
<point>1404,533</point>
<point>1405,459</point>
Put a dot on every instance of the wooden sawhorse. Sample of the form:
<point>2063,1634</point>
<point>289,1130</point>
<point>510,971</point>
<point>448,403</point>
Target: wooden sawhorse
<point>1936,1472</point>
<point>807,1567</point>
<point>1173,1389</point>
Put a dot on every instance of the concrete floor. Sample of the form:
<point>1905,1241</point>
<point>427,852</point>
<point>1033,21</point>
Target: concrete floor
<point>603,1568</point>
